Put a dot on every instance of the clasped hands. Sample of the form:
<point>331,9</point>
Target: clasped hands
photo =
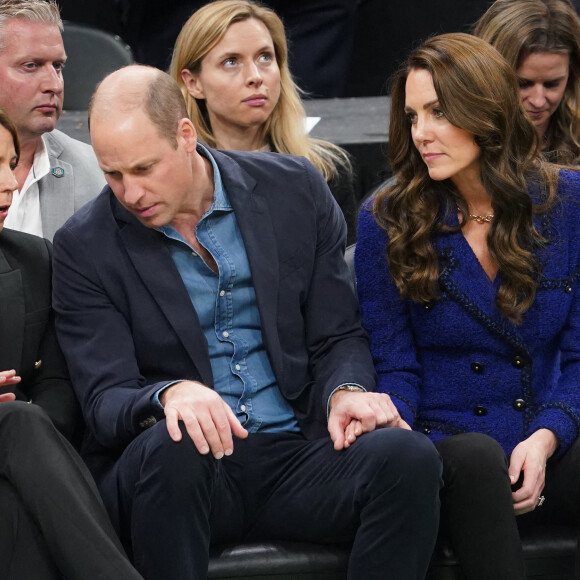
<point>211,423</point>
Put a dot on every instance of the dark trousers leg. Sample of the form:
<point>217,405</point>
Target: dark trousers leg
<point>24,554</point>
<point>164,494</point>
<point>478,514</point>
<point>59,495</point>
<point>382,492</point>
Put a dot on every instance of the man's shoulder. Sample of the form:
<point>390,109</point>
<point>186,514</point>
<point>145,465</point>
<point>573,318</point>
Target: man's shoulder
<point>81,157</point>
<point>94,215</point>
<point>258,163</point>
<point>59,143</point>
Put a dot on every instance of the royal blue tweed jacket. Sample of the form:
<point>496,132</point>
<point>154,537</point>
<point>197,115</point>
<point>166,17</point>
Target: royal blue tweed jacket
<point>457,365</point>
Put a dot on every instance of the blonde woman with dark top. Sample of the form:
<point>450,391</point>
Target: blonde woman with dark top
<point>231,62</point>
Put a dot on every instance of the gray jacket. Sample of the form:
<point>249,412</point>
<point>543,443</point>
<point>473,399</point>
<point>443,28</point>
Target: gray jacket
<point>74,178</point>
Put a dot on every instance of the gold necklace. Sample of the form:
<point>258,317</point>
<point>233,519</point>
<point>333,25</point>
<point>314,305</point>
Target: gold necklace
<point>481,219</point>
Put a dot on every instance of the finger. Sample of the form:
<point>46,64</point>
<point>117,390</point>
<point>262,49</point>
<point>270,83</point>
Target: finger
<point>172,423</point>
<point>386,412</point>
<point>196,433</point>
<point>532,486</point>
<point>383,414</point>
<point>404,425</point>
<point>7,397</point>
<point>215,428</point>
<point>350,433</point>
<point>235,425</point>
<point>368,419</point>
<point>529,504</point>
<point>11,380</point>
<point>516,466</point>
<point>524,507</point>
<point>336,431</point>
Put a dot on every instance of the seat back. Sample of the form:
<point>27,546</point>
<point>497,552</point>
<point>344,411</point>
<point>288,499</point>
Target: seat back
<point>91,55</point>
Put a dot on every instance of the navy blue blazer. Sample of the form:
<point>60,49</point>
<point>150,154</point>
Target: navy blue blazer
<point>127,325</point>
<point>458,365</point>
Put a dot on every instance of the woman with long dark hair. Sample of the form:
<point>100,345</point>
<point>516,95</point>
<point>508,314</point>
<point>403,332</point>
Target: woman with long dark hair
<point>468,271</point>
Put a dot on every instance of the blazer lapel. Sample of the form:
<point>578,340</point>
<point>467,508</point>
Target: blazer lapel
<point>56,196</point>
<point>255,223</point>
<point>12,315</point>
<point>155,266</point>
<point>463,279</point>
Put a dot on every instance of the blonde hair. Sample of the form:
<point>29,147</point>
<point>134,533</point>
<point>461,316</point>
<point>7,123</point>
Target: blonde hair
<point>518,28</point>
<point>284,129</point>
<point>43,11</point>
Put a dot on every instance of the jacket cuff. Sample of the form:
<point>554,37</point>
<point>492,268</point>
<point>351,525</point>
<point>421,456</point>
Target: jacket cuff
<point>560,423</point>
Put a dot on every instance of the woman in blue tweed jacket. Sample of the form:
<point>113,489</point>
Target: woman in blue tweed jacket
<point>468,272</point>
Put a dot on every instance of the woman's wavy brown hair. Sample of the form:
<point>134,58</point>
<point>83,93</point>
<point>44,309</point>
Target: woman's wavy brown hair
<point>518,28</point>
<point>478,92</point>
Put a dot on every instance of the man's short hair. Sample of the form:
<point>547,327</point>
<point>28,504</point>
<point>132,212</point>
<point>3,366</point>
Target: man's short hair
<point>45,11</point>
<point>161,101</point>
<point>165,106</point>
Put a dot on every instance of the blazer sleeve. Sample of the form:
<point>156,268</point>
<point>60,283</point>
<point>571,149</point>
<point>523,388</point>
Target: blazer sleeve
<point>386,318</point>
<point>97,341</point>
<point>338,346</point>
<point>561,413</point>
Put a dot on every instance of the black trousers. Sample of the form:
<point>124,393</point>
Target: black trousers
<point>477,509</point>
<point>382,493</point>
<point>52,521</point>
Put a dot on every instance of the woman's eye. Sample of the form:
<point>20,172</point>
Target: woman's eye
<point>229,62</point>
<point>438,113</point>
<point>411,117</point>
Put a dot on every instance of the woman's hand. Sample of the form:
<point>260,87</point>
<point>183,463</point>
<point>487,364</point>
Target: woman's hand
<point>530,457</point>
<point>8,378</point>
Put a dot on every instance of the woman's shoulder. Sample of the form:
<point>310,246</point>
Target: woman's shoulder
<point>23,244</point>
<point>569,183</point>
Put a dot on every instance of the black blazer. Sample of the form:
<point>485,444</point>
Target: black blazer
<point>127,325</point>
<point>27,336</point>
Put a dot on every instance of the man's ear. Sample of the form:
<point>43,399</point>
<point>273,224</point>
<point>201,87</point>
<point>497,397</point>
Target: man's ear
<point>187,134</point>
<point>192,84</point>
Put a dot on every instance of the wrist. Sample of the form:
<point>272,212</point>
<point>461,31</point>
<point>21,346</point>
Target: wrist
<point>343,390</point>
<point>547,439</point>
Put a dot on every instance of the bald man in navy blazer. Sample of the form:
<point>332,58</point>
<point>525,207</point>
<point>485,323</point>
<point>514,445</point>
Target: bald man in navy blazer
<point>213,338</point>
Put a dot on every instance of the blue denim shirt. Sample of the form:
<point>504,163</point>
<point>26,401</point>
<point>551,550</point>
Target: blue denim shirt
<point>228,313</point>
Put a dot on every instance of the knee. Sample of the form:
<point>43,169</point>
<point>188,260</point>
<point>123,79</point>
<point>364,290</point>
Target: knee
<point>407,456</point>
<point>174,463</point>
<point>18,415</point>
<point>473,456</point>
